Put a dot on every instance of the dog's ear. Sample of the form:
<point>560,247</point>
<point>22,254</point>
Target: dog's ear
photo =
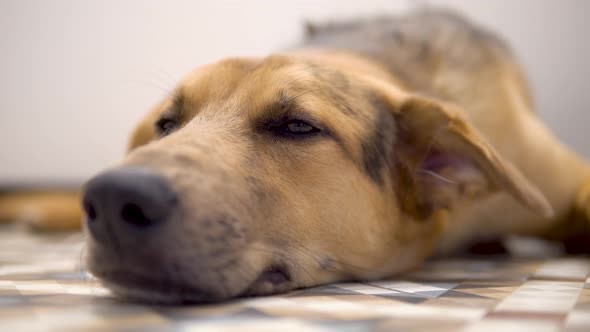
<point>441,161</point>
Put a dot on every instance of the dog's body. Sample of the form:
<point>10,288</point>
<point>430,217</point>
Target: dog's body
<point>443,56</point>
<point>356,156</point>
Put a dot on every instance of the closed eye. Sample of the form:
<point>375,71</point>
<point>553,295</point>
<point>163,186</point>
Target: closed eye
<point>295,128</point>
<point>165,126</point>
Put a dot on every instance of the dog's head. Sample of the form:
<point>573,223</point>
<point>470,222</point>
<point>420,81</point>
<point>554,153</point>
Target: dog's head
<point>263,175</point>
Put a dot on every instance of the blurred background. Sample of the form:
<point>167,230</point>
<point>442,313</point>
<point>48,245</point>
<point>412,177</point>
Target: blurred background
<point>76,75</point>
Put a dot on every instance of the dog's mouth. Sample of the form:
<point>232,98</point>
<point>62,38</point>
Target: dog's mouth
<point>136,287</point>
<point>275,274</point>
<point>276,278</point>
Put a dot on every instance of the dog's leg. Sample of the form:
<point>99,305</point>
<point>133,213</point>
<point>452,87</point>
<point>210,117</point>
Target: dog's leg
<point>583,200</point>
<point>43,211</point>
<point>576,237</point>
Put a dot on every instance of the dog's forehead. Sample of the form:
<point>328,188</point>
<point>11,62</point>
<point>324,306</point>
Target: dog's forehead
<point>250,86</point>
<point>216,80</point>
<point>226,76</point>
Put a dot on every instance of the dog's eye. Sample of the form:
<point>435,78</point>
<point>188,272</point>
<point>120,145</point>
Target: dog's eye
<point>297,127</point>
<point>166,126</point>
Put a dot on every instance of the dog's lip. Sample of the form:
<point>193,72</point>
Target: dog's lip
<point>278,277</point>
<point>142,287</point>
<point>275,274</point>
<point>137,286</point>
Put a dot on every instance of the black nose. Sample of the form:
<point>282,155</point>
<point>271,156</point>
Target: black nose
<point>127,199</point>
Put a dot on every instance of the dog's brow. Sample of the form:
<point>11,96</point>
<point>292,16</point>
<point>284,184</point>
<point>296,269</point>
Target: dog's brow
<point>175,107</point>
<point>284,106</point>
<point>177,102</point>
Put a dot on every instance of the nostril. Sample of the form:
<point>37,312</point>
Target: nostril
<point>133,214</point>
<point>90,211</point>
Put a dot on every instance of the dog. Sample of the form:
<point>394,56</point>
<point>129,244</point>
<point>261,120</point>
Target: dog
<point>374,145</point>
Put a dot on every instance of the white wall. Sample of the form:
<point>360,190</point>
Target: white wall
<point>75,75</point>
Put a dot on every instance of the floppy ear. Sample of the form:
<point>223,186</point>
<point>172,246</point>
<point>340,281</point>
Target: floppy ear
<point>443,161</point>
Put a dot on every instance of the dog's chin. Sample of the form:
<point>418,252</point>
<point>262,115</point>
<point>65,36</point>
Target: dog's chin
<point>156,297</point>
<point>136,288</point>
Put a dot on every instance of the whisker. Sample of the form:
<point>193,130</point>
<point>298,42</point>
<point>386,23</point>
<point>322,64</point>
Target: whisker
<point>438,176</point>
<point>430,144</point>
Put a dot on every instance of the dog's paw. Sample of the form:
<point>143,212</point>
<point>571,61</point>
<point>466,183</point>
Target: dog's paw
<point>583,201</point>
<point>42,211</point>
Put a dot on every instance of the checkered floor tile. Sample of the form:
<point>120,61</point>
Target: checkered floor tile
<point>44,287</point>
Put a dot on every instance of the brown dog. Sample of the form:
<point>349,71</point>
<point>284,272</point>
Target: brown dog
<point>356,156</point>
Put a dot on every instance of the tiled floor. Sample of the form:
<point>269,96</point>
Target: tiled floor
<point>43,287</point>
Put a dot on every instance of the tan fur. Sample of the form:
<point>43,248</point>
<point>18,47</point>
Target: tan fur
<point>322,208</point>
